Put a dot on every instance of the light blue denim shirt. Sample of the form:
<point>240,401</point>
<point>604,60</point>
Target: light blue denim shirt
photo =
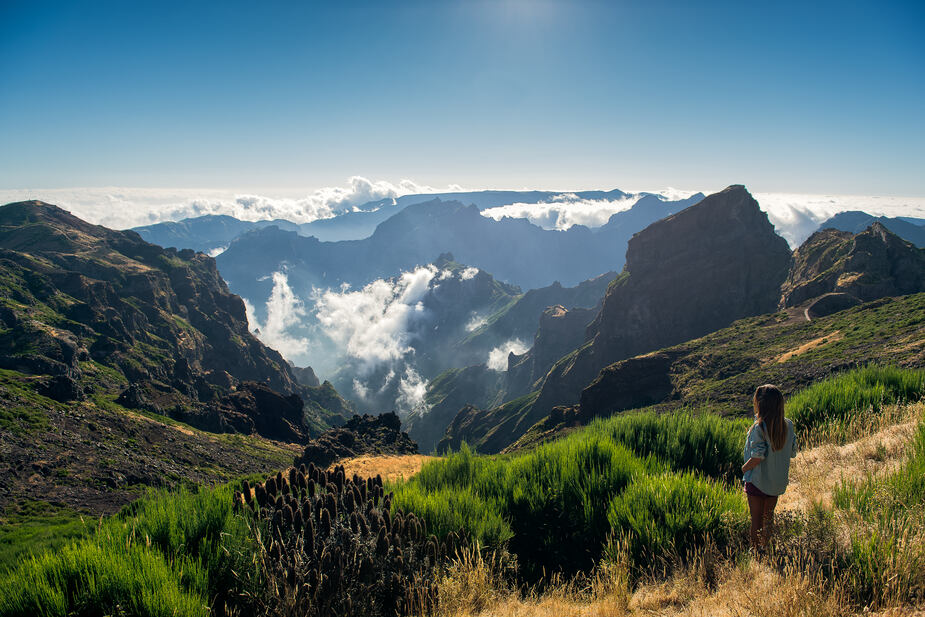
<point>773,473</point>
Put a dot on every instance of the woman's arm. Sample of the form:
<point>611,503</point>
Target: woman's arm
<point>751,463</point>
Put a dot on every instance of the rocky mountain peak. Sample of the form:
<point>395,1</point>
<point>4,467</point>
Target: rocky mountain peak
<point>869,265</point>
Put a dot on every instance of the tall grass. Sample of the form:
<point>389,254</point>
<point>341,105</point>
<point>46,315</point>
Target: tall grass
<point>885,560</point>
<point>692,441</point>
<point>168,554</point>
<point>833,404</point>
<point>555,498</point>
<point>674,515</point>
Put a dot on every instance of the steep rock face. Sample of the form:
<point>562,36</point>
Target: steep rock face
<point>164,320</point>
<point>870,265</point>
<point>686,275</point>
<point>559,332</point>
<point>689,274</point>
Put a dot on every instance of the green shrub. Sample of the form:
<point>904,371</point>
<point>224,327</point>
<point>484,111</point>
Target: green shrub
<point>671,514</point>
<point>700,442</point>
<point>836,401</point>
<point>449,509</point>
<point>554,498</point>
<point>167,554</point>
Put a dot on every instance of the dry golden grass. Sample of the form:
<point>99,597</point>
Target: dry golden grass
<point>390,467</point>
<point>704,589</point>
<point>816,472</point>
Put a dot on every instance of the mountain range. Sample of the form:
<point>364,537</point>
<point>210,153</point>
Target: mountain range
<point>680,283</point>
<point>210,232</point>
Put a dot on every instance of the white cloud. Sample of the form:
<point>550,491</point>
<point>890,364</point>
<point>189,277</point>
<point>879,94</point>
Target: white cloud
<point>372,325</point>
<point>796,216</point>
<point>217,251</point>
<point>564,211</point>
<point>468,273</point>
<point>497,357</point>
<point>284,311</point>
<point>411,390</point>
<point>476,322</point>
<point>121,208</point>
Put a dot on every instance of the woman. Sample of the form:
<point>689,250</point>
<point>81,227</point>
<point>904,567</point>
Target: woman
<point>770,445</point>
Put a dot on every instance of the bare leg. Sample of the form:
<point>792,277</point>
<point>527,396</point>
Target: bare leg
<point>767,519</point>
<point>756,509</point>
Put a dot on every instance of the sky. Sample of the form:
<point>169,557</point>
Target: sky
<point>291,97</point>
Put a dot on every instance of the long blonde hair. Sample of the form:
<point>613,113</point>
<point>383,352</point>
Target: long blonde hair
<point>769,408</point>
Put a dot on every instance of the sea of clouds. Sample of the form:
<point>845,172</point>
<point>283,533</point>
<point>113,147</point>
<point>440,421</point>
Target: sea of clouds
<point>794,215</point>
<point>122,208</point>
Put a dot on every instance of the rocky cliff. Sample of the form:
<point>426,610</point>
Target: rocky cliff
<point>687,275</point>
<point>870,265</point>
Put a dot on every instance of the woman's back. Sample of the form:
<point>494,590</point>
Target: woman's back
<point>773,474</point>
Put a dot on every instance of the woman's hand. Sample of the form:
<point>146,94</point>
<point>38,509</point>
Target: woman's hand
<point>751,463</point>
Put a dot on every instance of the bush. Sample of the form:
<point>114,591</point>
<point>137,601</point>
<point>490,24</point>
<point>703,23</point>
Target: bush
<point>700,442</point>
<point>553,499</point>
<point>672,514</point>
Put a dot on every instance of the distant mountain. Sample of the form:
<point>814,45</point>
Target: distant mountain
<point>207,233</point>
<point>854,221</point>
<point>686,275</point>
<point>513,250</point>
<point>213,232</point>
<point>96,311</point>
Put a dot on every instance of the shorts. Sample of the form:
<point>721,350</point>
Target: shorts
<point>754,491</point>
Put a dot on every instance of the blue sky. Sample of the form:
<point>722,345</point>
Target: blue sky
<point>291,95</point>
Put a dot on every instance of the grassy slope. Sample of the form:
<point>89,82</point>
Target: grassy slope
<point>654,480</point>
<point>721,370</point>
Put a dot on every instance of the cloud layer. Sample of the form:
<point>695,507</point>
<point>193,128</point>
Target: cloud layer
<point>794,215</point>
<point>373,325</point>
<point>121,208</point>
<point>563,211</point>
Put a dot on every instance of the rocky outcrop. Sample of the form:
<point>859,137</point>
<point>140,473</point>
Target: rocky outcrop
<point>306,376</point>
<point>361,435</point>
<point>77,296</point>
<point>687,275</point>
<point>628,384</point>
<point>872,264</point>
<point>827,304</point>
